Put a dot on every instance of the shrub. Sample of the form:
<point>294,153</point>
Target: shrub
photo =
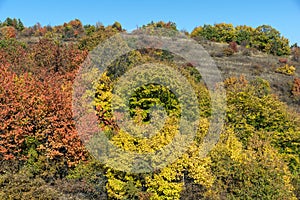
<point>87,178</point>
<point>258,69</point>
<point>282,60</point>
<point>27,110</point>
<point>117,26</point>
<point>264,38</point>
<point>286,69</point>
<point>296,87</point>
<point>269,40</point>
<point>244,35</point>
<point>23,185</point>
<point>8,32</point>
<point>228,51</point>
<point>233,46</point>
<point>247,52</point>
<point>296,53</point>
<point>251,173</point>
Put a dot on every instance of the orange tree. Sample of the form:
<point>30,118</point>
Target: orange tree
<point>37,110</point>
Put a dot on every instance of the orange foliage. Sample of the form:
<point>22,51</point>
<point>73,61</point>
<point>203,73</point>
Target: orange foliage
<point>236,82</point>
<point>40,109</point>
<point>296,87</point>
<point>8,32</point>
<point>38,105</point>
<point>55,57</point>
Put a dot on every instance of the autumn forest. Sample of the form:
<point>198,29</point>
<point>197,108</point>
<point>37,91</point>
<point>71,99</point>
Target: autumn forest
<point>42,155</point>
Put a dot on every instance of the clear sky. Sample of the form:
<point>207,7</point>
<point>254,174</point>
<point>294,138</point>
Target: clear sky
<point>284,15</point>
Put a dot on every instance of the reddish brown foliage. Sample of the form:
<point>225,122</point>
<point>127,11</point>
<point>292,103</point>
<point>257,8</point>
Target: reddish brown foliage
<point>236,82</point>
<point>20,102</point>
<point>8,32</point>
<point>296,87</point>
<point>39,106</point>
<point>47,54</point>
<point>283,60</point>
<point>233,46</point>
<point>15,54</point>
<point>296,53</point>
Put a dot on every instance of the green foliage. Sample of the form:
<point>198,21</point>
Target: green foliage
<point>117,26</point>
<point>161,24</point>
<point>153,95</point>
<point>91,173</point>
<point>269,40</point>
<point>11,45</point>
<point>244,35</point>
<point>165,185</point>
<point>89,29</point>
<point>16,23</point>
<point>125,63</point>
<point>257,172</point>
<point>124,185</point>
<point>91,40</point>
<point>24,185</point>
<point>251,108</point>
<point>264,38</point>
<point>226,32</point>
<point>253,118</point>
<point>257,157</point>
<point>219,32</point>
<point>32,189</point>
<point>254,113</point>
<point>207,31</point>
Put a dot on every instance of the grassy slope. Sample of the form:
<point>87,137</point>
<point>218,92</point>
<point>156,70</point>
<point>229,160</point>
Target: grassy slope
<point>257,65</point>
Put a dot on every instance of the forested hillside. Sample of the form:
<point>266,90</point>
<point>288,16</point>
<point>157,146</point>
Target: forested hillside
<point>43,157</point>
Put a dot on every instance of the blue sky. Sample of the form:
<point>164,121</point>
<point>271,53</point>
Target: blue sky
<point>187,14</point>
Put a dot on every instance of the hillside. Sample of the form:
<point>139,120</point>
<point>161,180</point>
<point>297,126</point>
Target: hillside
<point>66,131</point>
<point>257,65</point>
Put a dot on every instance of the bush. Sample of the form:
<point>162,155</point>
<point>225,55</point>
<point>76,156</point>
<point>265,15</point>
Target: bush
<point>296,87</point>
<point>286,69</point>
<point>87,178</point>
<point>258,69</point>
<point>228,51</point>
<point>247,52</point>
<point>264,38</point>
<point>296,53</point>
<point>8,32</point>
<point>244,35</point>
<point>250,173</point>
<point>231,49</point>
<point>233,46</point>
<point>23,185</point>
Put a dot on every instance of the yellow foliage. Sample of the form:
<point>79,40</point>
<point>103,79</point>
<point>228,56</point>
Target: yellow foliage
<point>115,188</point>
<point>199,170</point>
<point>146,145</point>
<point>252,169</point>
<point>166,184</point>
<point>196,31</point>
<point>235,148</point>
<point>286,69</point>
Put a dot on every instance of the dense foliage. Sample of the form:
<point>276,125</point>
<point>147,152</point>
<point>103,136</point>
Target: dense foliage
<point>264,38</point>
<point>42,156</point>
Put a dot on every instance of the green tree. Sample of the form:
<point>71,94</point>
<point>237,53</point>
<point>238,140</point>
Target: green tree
<point>117,26</point>
<point>244,35</point>
<point>20,25</point>
<point>269,40</point>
